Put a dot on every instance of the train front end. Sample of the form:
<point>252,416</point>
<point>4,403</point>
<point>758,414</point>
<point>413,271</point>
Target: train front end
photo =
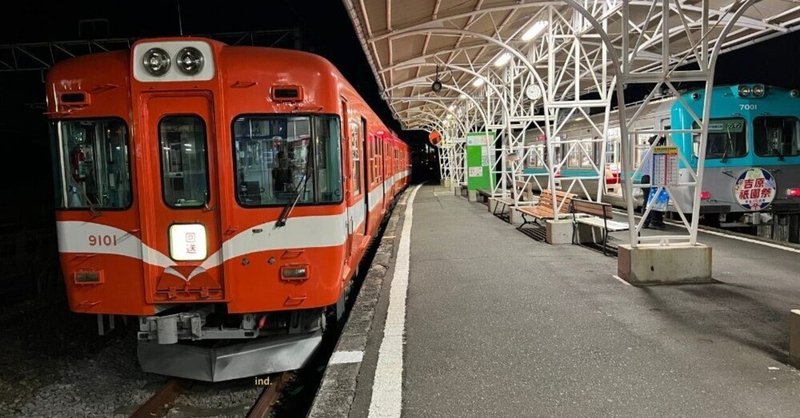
<point>752,161</point>
<point>199,188</point>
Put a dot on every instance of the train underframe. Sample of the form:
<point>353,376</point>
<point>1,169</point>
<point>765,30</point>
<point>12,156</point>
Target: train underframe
<point>205,343</point>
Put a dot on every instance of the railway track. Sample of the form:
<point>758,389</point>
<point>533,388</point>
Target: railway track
<point>164,399</point>
<point>159,404</point>
<point>262,408</point>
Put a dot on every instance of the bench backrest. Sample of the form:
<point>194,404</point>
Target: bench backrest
<point>546,200</point>
<point>525,188</point>
<point>603,210</point>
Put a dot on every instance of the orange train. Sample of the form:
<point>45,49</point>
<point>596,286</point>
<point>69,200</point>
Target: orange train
<point>224,195</point>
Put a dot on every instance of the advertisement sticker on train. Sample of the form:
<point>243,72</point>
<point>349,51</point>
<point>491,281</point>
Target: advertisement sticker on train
<point>755,189</point>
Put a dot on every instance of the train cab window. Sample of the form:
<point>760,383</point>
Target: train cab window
<point>282,158</point>
<point>727,138</point>
<point>92,164</point>
<point>184,168</point>
<point>776,136</point>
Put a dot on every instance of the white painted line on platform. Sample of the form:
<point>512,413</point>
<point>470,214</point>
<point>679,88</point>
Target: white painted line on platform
<point>621,279</point>
<point>752,241</point>
<point>387,388</point>
<point>735,237</point>
<point>346,357</point>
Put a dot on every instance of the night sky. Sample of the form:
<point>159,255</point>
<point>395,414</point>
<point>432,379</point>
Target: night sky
<point>325,29</point>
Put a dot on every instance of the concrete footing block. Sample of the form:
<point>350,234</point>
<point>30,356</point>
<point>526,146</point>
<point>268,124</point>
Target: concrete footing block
<point>794,338</point>
<point>472,195</point>
<point>559,232</point>
<point>674,264</point>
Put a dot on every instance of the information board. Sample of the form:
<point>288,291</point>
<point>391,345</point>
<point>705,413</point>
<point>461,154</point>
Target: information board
<point>479,160</point>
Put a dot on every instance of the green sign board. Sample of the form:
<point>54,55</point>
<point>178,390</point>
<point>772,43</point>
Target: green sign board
<point>480,148</point>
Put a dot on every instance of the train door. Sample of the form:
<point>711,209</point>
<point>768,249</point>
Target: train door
<point>381,157</point>
<point>348,155</point>
<point>365,170</point>
<point>183,215</point>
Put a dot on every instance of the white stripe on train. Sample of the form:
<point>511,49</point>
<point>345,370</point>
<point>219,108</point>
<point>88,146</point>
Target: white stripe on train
<point>300,232</point>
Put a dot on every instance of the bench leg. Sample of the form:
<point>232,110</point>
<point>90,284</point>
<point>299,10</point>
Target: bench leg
<point>574,232</point>
<point>524,220</point>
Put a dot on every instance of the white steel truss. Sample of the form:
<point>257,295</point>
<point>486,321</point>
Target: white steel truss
<point>532,67</point>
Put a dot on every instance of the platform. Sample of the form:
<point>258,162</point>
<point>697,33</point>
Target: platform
<point>499,324</point>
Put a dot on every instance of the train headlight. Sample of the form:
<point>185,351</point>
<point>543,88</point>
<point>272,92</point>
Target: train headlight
<point>190,60</point>
<point>744,91</point>
<point>156,61</point>
<point>794,93</point>
<point>758,90</point>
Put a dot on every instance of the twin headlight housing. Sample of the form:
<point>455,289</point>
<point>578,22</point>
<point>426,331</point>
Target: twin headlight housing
<point>166,61</point>
<point>189,60</point>
<point>756,90</point>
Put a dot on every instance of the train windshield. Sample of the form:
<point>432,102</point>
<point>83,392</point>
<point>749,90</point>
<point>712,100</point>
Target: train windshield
<point>727,138</point>
<point>92,164</point>
<point>776,136</point>
<point>283,158</point>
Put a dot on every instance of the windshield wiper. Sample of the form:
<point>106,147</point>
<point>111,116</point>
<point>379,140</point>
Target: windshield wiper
<point>290,205</point>
<point>778,150</point>
<point>728,144</point>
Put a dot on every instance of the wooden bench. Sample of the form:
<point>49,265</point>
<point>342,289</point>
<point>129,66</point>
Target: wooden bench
<point>483,195</point>
<point>506,202</point>
<point>600,215</point>
<point>525,189</point>
<point>525,192</point>
<point>543,210</point>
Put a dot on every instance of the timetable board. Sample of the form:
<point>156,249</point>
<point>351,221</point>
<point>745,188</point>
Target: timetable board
<point>665,166</point>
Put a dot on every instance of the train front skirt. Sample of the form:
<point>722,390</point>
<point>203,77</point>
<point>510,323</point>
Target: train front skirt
<point>252,358</point>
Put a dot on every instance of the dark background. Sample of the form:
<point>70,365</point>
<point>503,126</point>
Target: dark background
<point>27,240</point>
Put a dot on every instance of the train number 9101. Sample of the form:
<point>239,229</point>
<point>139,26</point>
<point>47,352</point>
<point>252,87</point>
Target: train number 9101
<point>102,240</point>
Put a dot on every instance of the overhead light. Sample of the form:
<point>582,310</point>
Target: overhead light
<point>451,108</point>
<point>534,30</point>
<point>503,59</point>
<point>437,84</point>
<point>478,82</point>
<point>462,96</point>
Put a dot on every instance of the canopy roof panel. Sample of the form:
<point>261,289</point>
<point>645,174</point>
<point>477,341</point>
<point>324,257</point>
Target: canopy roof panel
<point>410,42</point>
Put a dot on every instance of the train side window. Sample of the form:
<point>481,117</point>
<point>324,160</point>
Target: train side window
<point>184,170</point>
<point>355,150</point>
<point>92,167</point>
<point>776,136</point>
<point>727,138</point>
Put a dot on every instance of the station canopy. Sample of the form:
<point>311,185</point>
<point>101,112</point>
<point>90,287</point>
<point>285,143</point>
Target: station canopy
<point>410,44</point>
